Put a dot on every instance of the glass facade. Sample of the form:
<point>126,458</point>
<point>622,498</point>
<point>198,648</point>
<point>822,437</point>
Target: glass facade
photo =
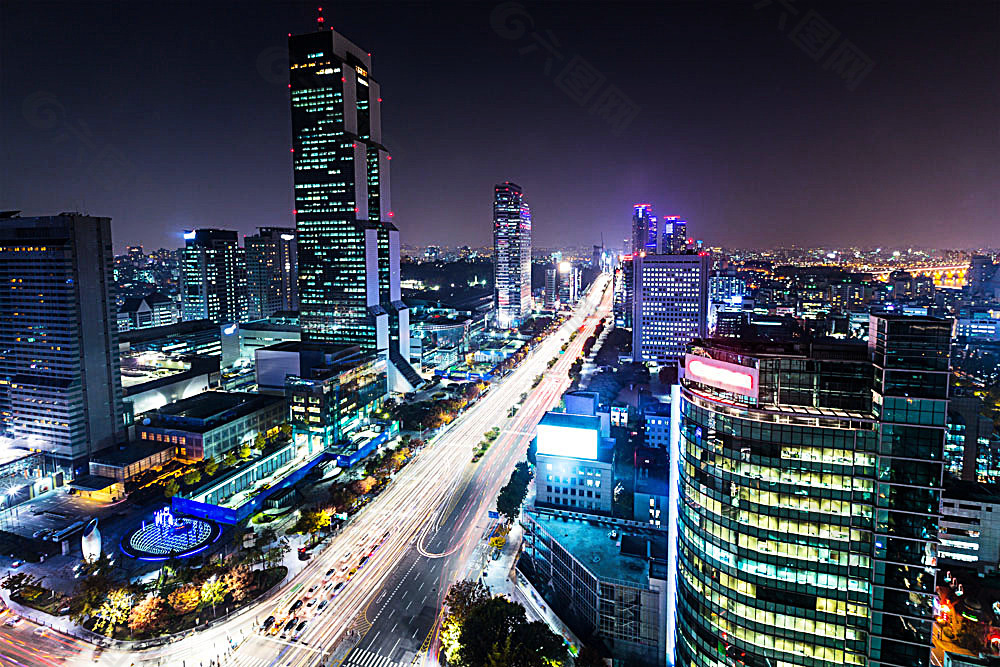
<point>348,248</point>
<point>808,513</point>
<point>511,255</point>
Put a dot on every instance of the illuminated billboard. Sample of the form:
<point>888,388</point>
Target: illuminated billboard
<point>579,442</point>
<point>722,375</point>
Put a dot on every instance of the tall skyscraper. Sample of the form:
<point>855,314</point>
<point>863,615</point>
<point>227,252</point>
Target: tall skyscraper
<point>272,271</point>
<point>213,277</point>
<point>910,400</point>
<point>810,539</point>
<point>552,287</point>
<point>644,232</point>
<point>511,255</point>
<point>60,378</point>
<point>670,305</point>
<point>348,246</point>
<point>674,239</point>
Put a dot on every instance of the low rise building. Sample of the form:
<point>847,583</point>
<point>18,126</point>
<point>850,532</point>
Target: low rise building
<point>152,310</point>
<point>212,423</point>
<point>603,578</point>
<point>970,525</point>
<point>575,464</point>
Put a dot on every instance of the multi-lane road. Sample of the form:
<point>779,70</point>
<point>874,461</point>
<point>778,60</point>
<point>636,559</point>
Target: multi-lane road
<point>372,597</point>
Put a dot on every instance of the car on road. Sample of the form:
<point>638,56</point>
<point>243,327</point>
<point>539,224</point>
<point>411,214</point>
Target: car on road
<point>330,572</point>
<point>322,605</point>
<point>295,606</point>
<point>311,603</point>
<point>268,622</point>
<point>298,631</point>
<point>12,621</point>
<point>364,559</point>
<point>336,589</point>
<point>288,626</point>
<point>17,564</point>
<point>312,589</point>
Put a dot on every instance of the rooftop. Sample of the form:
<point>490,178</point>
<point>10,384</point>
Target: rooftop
<point>590,542</point>
<point>209,404</point>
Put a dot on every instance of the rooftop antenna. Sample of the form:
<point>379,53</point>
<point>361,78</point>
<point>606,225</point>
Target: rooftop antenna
<point>319,18</point>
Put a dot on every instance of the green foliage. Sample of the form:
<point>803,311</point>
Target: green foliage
<point>259,441</point>
<point>213,590</point>
<point>240,582</point>
<point>462,597</point>
<point>171,488</point>
<point>211,466</point>
<point>311,521</point>
<point>114,610</point>
<point>244,451</point>
<point>497,632</point>
<point>231,458</point>
<point>513,493</point>
<point>192,477</point>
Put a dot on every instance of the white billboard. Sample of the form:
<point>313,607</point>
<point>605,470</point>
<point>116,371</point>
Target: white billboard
<point>722,375</point>
<point>579,443</point>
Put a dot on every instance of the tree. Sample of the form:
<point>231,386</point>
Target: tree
<point>192,477</point>
<point>114,610</point>
<point>498,542</point>
<point>148,615</point>
<point>399,457</point>
<point>487,625</point>
<point>240,582</point>
<point>311,521</point>
<point>463,596</point>
<point>286,431</point>
<point>363,486</point>
<point>211,466</point>
<point>89,596</point>
<point>267,536</point>
<point>259,441</point>
<point>244,451</point>
<point>231,458</point>
<point>513,493</point>
<point>213,591</point>
<point>185,599</point>
<point>171,488</point>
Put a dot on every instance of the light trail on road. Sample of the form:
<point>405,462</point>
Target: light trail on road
<point>413,509</point>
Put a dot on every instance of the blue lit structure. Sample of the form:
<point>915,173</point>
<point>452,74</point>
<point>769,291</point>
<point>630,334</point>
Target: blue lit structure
<point>170,536</point>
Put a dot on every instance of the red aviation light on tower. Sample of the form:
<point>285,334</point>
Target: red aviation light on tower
<point>722,375</point>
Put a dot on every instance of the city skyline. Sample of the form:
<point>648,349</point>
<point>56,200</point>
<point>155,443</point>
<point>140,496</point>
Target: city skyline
<point>788,153</point>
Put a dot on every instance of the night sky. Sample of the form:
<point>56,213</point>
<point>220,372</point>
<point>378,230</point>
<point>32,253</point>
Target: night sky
<point>842,124</point>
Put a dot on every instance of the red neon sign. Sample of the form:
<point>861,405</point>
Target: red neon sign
<point>722,375</point>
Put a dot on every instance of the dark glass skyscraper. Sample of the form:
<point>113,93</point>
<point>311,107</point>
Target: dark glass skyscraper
<point>810,477</point>
<point>348,248</point>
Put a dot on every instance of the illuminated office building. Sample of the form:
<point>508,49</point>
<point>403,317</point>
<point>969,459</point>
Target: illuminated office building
<point>644,230</point>
<point>60,375</point>
<point>552,287</point>
<point>511,255</point>
<point>569,283</point>
<point>810,487</point>
<point>348,246</point>
<point>272,272</point>
<point>213,277</point>
<point>670,305</point>
<point>674,234</point>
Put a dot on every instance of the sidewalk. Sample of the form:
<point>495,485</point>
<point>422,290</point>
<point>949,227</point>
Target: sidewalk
<point>501,578</point>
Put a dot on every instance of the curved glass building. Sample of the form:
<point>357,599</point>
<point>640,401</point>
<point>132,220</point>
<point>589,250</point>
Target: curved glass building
<point>809,484</point>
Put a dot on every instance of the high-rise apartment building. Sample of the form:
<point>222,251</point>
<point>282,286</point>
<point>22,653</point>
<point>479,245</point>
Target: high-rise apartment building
<point>213,277</point>
<point>810,478</point>
<point>348,246</point>
<point>272,271</point>
<point>624,292</point>
<point>569,283</point>
<point>670,305</point>
<point>511,255</point>
<point>60,378</point>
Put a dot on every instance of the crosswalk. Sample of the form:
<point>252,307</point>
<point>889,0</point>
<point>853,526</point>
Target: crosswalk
<point>361,658</point>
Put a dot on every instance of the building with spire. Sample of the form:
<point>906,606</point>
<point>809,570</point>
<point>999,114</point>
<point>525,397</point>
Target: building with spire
<point>348,246</point>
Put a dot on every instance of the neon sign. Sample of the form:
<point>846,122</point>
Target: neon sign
<point>722,375</point>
